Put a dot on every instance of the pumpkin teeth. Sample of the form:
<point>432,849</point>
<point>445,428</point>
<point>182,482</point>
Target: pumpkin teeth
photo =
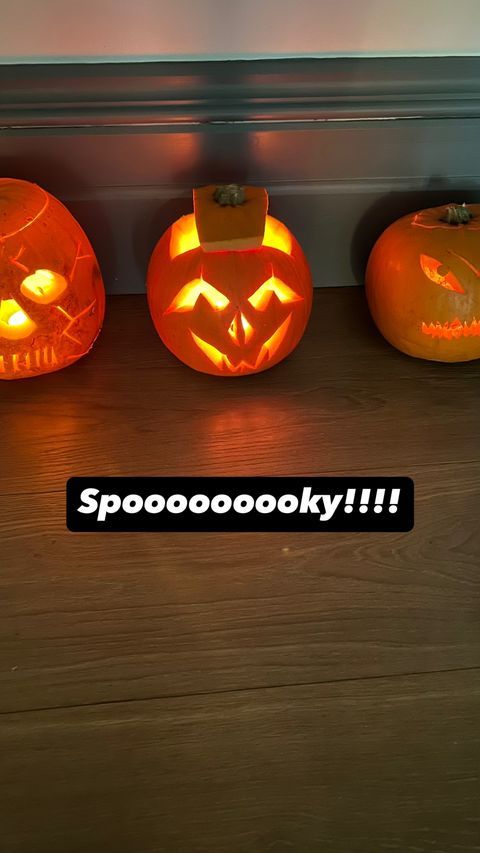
<point>42,357</point>
<point>452,330</point>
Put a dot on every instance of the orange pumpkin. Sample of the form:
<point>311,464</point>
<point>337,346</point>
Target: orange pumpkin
<point>52,299</point>
<point>229,310</point>
<point>423,283</point>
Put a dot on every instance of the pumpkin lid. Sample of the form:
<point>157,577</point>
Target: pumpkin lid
<point>449,217</point>
<point>230,217</point>
<point>457,214</point>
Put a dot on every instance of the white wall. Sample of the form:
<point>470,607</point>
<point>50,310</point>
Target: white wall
<point>93,30</point>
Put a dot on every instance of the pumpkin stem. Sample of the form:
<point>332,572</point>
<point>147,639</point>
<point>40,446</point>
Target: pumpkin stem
<point>229,194</point>
<point>457,214</point>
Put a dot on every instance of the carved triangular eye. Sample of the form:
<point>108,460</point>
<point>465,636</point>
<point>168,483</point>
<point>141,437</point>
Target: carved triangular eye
<point>440,274</point>
<point>260,299</point>
<point>187,297</point>
<point>43,286</point>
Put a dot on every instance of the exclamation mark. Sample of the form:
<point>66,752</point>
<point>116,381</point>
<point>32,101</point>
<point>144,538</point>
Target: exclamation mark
<point>364,500</point>
<point>349,500</point>
<point>379,498</point>
<point>394,500</point>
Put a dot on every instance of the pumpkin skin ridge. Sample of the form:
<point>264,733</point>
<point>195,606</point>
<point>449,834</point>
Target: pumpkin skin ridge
<point>402,299</point>
<point>210,325</point>
<point>37,232</point>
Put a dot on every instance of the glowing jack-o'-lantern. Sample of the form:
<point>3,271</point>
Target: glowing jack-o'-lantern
<point>423,283</point>
<point>52,299</point>
<point>228,286</point>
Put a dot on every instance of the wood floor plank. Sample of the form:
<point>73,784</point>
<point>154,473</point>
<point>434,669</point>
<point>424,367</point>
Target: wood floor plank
<point>89,618</point>
<point>382,765</point>
<point>345,399</point>
<point>366,766</point>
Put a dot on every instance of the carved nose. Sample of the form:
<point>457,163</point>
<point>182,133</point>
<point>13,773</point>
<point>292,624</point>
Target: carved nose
<point>240,329</point>
<point>14,323</point>
<point>235,330</point>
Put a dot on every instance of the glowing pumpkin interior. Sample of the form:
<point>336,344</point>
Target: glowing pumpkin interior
<point>423,284</point>
<point>440,274</point>
<point>229,312</point>
<point>51,292</point>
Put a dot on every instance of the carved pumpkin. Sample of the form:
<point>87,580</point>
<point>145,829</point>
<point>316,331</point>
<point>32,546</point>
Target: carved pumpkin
<point>52,300</point>
<point>423,283</point>
<point>228,286</point>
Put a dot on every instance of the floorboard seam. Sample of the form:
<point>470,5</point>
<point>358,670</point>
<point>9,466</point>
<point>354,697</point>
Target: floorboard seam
<point>236,690</point>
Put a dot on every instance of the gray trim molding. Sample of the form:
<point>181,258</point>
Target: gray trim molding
<point>136,94</point>
<point>344,146</point>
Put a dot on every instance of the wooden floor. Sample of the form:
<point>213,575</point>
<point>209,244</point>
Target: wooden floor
<point>241,693</point>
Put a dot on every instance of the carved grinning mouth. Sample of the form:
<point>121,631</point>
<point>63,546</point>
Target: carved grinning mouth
<point>39,358</point>
<point>451,330</point>
<point>267,351</point>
